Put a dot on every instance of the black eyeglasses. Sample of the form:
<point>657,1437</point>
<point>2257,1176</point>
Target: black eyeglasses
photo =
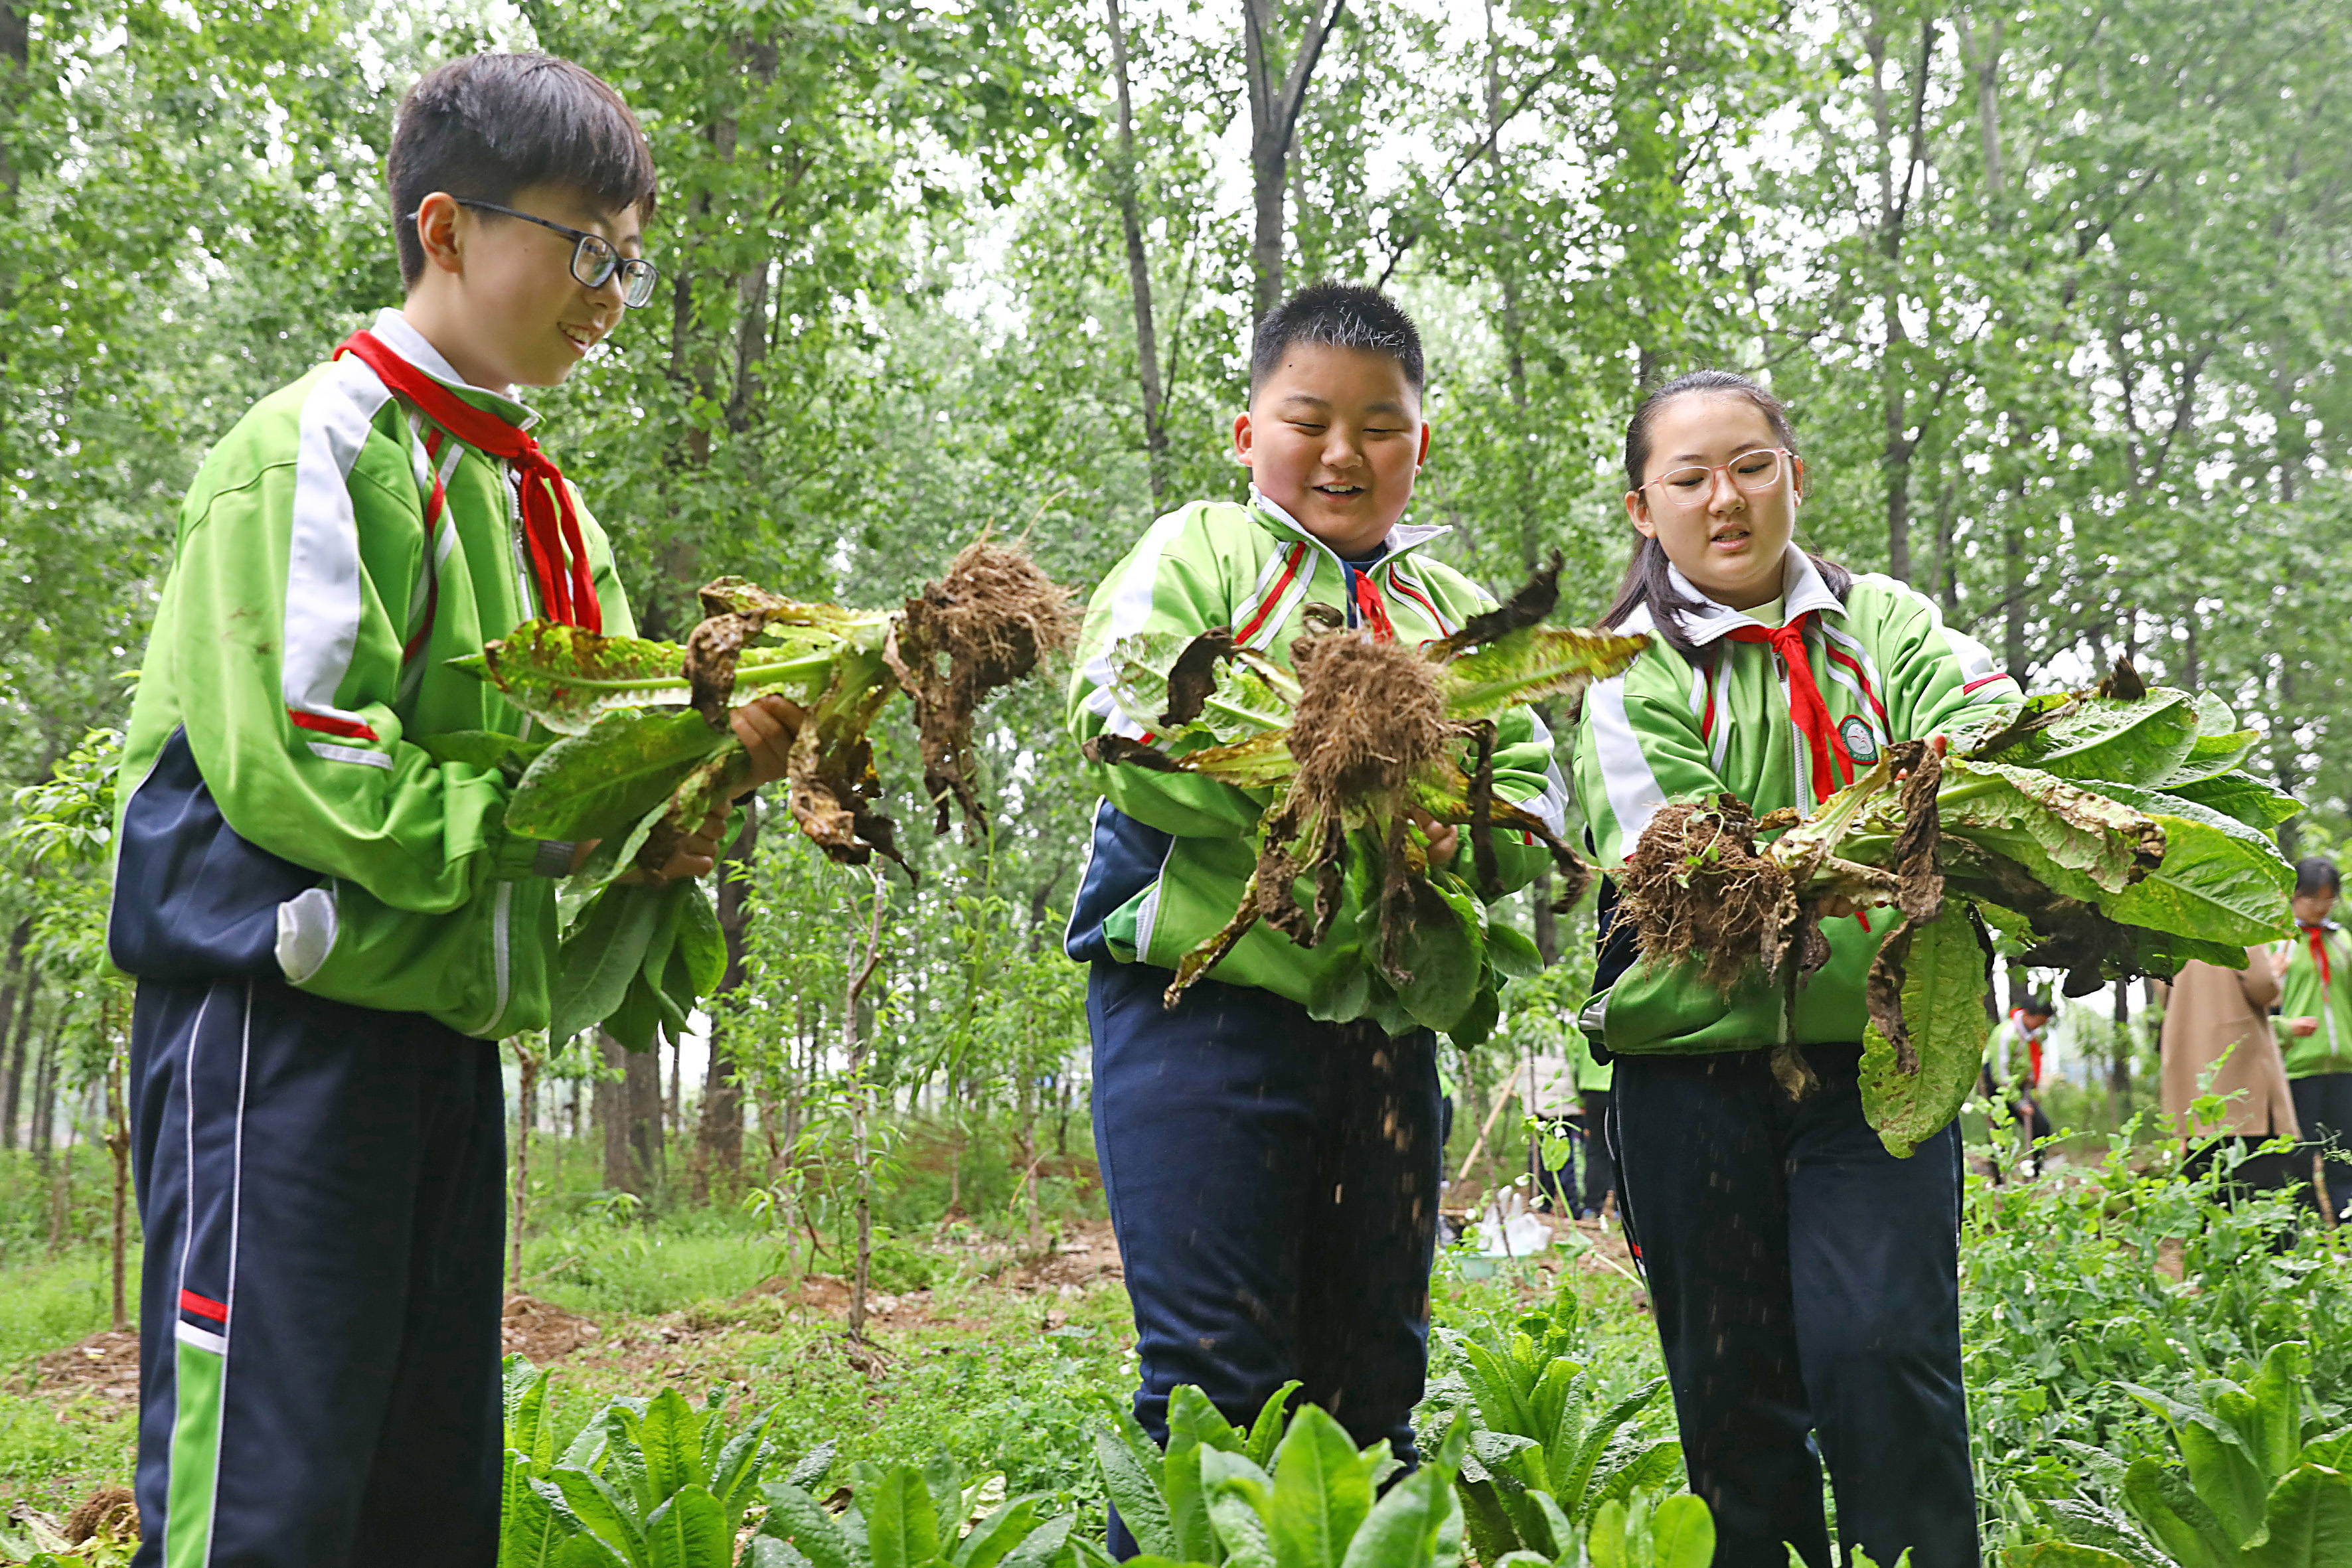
<point>594,259</point>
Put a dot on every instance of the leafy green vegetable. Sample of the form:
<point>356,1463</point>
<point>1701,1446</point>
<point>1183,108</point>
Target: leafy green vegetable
<point>2086,822</point>
<point>1342,750</point>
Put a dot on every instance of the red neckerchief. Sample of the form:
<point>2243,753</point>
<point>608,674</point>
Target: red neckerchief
<point>1832,765</point>
<point>550,525</point>
<point>1372,606</point>
<point>2318,940</point>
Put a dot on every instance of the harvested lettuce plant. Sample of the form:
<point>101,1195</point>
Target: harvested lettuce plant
<point>641,752</point>
<point>1345,749</point>
<point>2110,832</point>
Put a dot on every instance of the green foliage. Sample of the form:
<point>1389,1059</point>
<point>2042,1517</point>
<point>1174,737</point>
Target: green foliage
<point>647,1483</point>
<point>902,1516</point>
<point>1552,1445</point>
<point>2258,1481</point>
<point>1273,1497</point>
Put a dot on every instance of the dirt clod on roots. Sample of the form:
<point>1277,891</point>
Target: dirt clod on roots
<point>1369,714</point>
<point>991,619</point>
<point>1695,885</point>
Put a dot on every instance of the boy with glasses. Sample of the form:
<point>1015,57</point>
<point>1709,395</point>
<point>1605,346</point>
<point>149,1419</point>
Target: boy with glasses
<point>331,926</point>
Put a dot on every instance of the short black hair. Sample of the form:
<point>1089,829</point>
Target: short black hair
<point>2316,874</point>
<point>2039,1005</point>
<point>490,125</point>
<point>1339,316</point>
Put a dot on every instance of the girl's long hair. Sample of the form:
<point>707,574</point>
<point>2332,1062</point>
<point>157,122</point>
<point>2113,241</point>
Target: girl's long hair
<point>1647,575</point>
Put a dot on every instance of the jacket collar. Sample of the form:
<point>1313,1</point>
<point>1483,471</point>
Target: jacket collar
<point>1801,591</point>
<point>1403,538</point>
<point>395,332</point>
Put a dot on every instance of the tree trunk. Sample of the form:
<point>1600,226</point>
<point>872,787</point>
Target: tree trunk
<point>42,1135</point>
<point>527,1061</point>
<point>720,1137</point>
<point>118,1145</point>
<point>1139,272</point>
<point>1894,210</point>
<point>2013,590</point>
<point>630,1109</point>
<point>2119,1080</point>
<point>14,1047</point>
<point>1274,123</point>
<point>861,1104</point>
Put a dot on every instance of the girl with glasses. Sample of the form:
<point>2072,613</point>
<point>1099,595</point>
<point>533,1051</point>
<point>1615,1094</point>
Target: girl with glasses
<point>1804,1280</point>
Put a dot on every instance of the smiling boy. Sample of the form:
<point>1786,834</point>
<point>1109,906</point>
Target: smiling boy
<point>330,926</point>
<point>1271,1178</point>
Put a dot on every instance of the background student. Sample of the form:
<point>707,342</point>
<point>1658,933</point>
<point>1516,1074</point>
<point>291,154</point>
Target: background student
<point>1805,1281</point>
<point>2316,1004</point>
<point>2217,1039</point>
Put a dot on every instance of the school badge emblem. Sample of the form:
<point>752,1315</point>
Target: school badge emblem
<point>1860,744</point>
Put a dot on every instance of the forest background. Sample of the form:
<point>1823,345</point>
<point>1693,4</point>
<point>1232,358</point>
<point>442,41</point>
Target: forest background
<point>2059,294</point>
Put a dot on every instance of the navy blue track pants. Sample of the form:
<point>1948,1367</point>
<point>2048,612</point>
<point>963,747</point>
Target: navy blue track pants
<point>323,1192</point>
<point>1804,1280</point>
<point>1272,1184</point>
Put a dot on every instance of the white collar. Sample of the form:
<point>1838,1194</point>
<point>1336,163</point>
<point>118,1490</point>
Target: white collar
<point>399,334</point>
<point>1401,537</point>
<point>1801,592</point>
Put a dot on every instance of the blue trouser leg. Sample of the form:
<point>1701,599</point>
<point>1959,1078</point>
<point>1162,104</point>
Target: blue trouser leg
<point>321,1189</point>
<point>1804,1280</point>
<point>2323,1106</point>
<point>1272,1184</point>
<point>1599,1174</point>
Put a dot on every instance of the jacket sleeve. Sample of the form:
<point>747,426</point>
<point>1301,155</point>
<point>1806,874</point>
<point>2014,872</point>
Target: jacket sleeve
<point>2260,981</point>
<point>1171,586</point>
<point>1635,750</point>
<point>286,659</point>
<point>1934,673</point>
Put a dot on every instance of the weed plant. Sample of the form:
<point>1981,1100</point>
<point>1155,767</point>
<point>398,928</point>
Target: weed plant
<point>2122,1272</point>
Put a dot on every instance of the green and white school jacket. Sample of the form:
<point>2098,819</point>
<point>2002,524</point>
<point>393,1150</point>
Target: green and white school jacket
<point>1169,853</point>
<point>279,813</point>
<point>1671,729</point>
<point>2309,990</point>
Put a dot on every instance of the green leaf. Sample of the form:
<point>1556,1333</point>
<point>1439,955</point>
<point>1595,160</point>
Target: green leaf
<point>1188,1503</point>
<point>1512,952</point>
<point>640,1018</point>
<point>601,1510</point>
<point>1131,1467</point>
<point>2214,885</point>
<point>2169,1508</point>
<point>901,1525</point>
<point>1446,957</point>
<point>2275,1424</point>
<point>2070,839</point>
<point>1265,1431</point>
<point>1943,984</point>
<point>1681,1533</point>
<point>2240,796</point>
<point>700,942</point>
<point>1534,662</point>
<point>794,1516</point>
<point>587,1551</point>
<point>604,781</point>
<point>690,1531</point>
<point>565,676</point>
<point>596,964</point>
<point>1240,1530</point>
<point>990,1541</point>
<point>671,1440</point>
<point>1044,1545</point>
<point>532,1526</point>
<point>1401,1529</point>
<point>2309,1517</point>
<point>2139,741</point>
<point>526,1409</point>
<point>1322,1492</point>
<point>2064,1554</point>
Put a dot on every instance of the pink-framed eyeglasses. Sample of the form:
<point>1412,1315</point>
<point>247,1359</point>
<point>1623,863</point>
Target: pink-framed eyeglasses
<point>1753,473</point>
